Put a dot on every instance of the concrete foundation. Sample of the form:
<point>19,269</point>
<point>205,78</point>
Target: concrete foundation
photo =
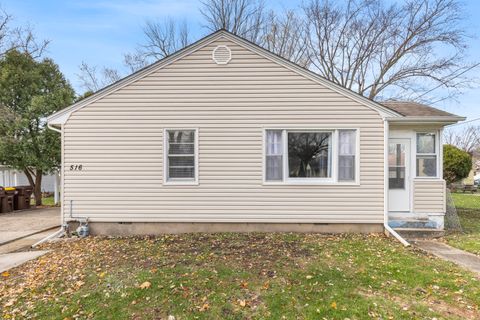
<point>156,228</point>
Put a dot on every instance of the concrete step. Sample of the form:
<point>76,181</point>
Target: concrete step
<point>413,224</point>
<point>419,233</point>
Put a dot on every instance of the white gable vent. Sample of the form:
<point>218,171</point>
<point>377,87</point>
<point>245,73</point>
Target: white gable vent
<point>222,54</point>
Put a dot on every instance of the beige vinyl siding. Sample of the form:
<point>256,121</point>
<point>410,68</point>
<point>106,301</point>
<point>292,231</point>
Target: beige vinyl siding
<point>118,140</point>
<point>429,195</point>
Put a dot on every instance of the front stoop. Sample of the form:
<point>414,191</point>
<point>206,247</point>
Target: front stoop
<point>422,227</point>
<point>419,233</point>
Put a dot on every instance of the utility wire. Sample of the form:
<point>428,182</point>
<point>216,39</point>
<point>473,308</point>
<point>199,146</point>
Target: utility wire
<point>441,84</point>
<point>464,122</point>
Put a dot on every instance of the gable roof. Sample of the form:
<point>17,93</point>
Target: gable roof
<point>385,110</point>
<point>62,116</point>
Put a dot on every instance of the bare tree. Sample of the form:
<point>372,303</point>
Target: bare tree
<point>369,46</point>
<point>162,38</point>
<point>467,139</point>
<point>21,38</point>
<point>284,35</point>
<point>93,79</point>
<point>245,18</point>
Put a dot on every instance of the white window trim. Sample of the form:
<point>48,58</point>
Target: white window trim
<point>185,181</point>
<point>437,154</point>
<point>333,181</point>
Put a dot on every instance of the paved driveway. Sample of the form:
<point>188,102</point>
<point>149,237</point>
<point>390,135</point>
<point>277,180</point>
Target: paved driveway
<point>20,224</point>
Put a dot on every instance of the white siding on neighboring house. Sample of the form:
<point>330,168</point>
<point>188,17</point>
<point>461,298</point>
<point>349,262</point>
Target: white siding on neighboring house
<point>118,140</point>
<point>10,177</point>
<point>429,196</point>
<point>48,182</point>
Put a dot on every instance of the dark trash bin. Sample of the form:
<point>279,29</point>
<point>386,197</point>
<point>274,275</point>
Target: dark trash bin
<point>6,204</point>
<point>2,196</point>
<point>22,197</point>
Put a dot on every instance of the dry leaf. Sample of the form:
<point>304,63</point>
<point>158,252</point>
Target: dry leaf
<point>309,277</point>
<point>266,285</point>
<point>145,285</point>
<point>9,303</point>
<point>5,274</point>
<point>205,307</point>
<point>244,284</point>
<point>334,305</point>
<point>242,303</point>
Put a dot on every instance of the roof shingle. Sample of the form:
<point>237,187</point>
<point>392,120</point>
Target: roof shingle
<point>414,109</point>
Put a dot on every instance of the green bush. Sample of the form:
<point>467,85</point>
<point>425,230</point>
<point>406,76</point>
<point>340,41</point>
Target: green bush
<point>456,164</point>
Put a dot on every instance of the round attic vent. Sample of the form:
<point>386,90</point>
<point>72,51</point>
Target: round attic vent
<point>222,54</point>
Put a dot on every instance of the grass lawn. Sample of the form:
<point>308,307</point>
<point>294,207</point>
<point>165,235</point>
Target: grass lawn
<point>46,201</point>
<point>238,276</point>
<point>468,208</point>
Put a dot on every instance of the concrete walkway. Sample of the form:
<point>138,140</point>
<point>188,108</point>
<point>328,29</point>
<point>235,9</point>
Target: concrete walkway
<point>19,230</point>
<point>12,260</point>
<point>467,260</point>
<point>20,224</point>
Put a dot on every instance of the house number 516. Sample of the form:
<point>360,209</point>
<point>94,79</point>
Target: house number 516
<point>76,167</point>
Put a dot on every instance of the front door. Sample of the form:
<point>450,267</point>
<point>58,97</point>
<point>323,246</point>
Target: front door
<point>399,175</point>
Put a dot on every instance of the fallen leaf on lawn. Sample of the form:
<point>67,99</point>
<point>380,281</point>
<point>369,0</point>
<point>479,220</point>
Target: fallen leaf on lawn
<point>266,285</point>
<point>153,270</point>
<point>134,302</point>
<point>309,277</point>
<point>205,307</point>
<point>334,305</point>
<point>78,284</point>
<point>242,303</point>
<point>244,284</point>
<point>9,303</point>
<point>5,274</point>
<point>101,275</point>
<point>145,285</point>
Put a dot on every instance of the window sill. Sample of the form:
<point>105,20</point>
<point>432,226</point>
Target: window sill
<point>308,183</point>
<point>180,183</point>
<point>428,178</point>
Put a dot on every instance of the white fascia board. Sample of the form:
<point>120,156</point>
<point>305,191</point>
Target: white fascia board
<point>444,120</point>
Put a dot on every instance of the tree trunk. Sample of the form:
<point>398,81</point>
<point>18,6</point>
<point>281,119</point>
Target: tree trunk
<point>37,188</point>
<point>35,181</point>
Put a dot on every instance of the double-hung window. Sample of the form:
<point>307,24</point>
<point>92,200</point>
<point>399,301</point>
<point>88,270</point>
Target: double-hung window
<point>314,156</point>
<point>180,156</point>
<point>347,146</point>
<point>426,155</point>
<point>274,155</point>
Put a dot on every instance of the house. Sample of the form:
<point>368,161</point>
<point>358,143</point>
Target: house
<point>226,136</point>
<point>10,177</point>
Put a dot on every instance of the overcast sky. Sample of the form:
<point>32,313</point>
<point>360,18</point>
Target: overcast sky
<point>99,32</point>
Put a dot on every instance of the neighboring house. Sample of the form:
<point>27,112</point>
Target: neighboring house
<point>226,136</point>
<point>12,177</point>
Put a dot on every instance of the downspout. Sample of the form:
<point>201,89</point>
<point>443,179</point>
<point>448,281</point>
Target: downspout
<point>63,225</point>
<point>388,229</point>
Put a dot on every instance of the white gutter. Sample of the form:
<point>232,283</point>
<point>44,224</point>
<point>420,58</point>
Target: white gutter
<point>424,120</point>
<point>63,226</point>
<point>53,128</point>
<point>388,229</point>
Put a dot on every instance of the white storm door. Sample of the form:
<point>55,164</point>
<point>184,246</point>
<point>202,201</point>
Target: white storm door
<point>399,175</point>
